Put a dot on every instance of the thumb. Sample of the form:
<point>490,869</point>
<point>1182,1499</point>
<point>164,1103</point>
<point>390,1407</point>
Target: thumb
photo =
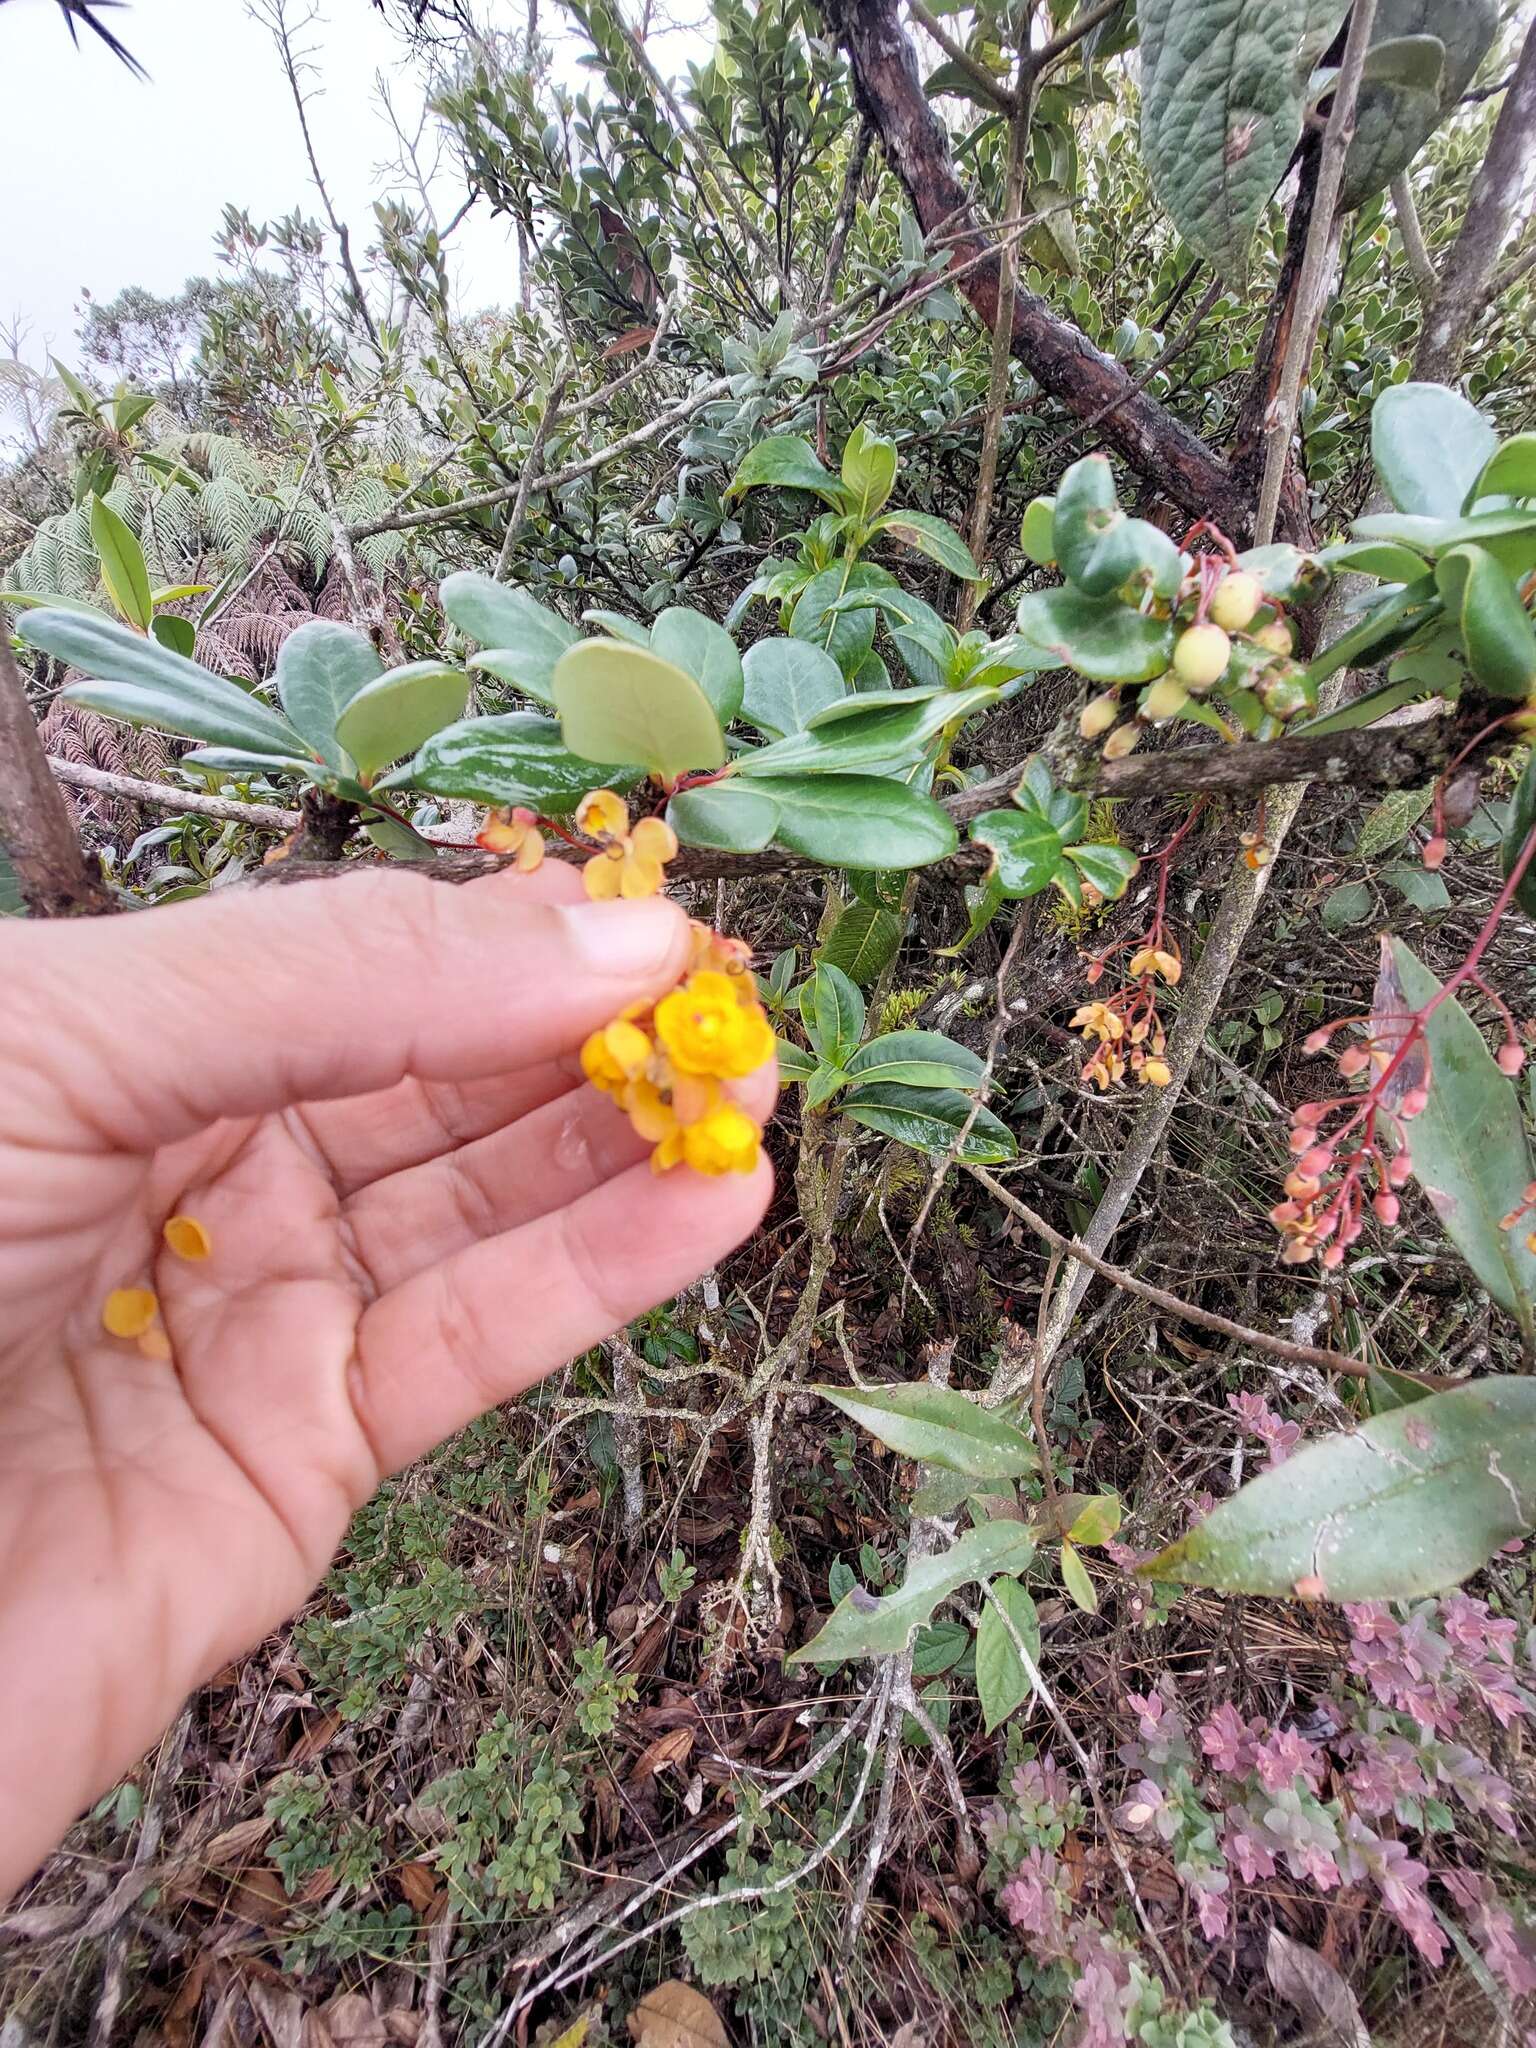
<point>154,1025</point>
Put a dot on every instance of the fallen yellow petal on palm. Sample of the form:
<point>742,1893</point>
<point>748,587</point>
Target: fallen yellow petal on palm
<point>155,1344</point>
<point>186,1237</point>
<point>129,1311</point>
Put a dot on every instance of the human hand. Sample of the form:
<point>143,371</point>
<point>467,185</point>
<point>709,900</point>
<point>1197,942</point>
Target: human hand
<point>366,1090</point>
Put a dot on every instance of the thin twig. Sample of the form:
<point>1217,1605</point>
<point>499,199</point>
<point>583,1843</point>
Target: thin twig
<point>161,796</point>
<point>1420,263</point>
<point>531,463</point>
<point>1074,1248</point>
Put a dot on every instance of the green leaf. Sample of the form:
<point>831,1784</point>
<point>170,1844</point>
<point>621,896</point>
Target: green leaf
<point>1109,868</point>
<point>869,471</point>
<point>862,941</point>
<point>847,634</point>
<point>795,1063</point>
<point>823,1085</point>
<point>1429,445</point>
<point>179,635</point>
<point>1423,890</point>
<point>930,1120</point>
<point>49,600</point>
<point>875,729</point>
<point>399,711</point>
<point>935,538</point>
<point>169,691</point>
<point>1422,58</point>
<point>833,1011</point>
<point>321,666</point>
<point>1364,710</point>
<point>1510,472</point>
<point>917,1059</point>
<point>859,821</point>
<point>1390,622</point>
<point>786,683</point>
<point>789,463</point>
<point>1411,1502</point>
<point>1522,822</point>
<point>1389,559</point>
<point>514,759</point>
<point>863,1626</point>
<point>727,815</point>
<point>239,764</point>
<point>1037,531</point>
<point>937,1426</point>
<point>1002,1683</point>
<point>1500,640</point>
<point>1468,1148</point>
<point>1098,547</point>
<point>1074,1576</point>
<point>1099,637</point>
<point>1349,904</point>
<point>1026,851</point>
<point>84,400</point>
<point>122,564</point>
<point>704,651</point>
<point>629,630</point>
<point>523,638</point>
<point>1390,822</point>
<point>1222,98</point>
<point>619,703</point>
<point>399,840</point>
<point>939,1648</point>
<point>1097,1520</point>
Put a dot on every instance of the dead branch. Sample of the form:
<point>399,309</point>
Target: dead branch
<point>37,831</point>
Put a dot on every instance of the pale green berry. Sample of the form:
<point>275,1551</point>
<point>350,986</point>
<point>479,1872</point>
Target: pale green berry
<point>1237,597</point>
<point>1166,696</point>
<point>1200,656</point>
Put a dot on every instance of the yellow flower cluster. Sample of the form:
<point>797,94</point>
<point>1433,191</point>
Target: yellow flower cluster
<point>664,1066</point>
<point>633,858</point>
<point>1138,1039</point>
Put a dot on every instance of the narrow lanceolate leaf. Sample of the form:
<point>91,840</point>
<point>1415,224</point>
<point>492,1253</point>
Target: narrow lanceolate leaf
<point>1222,95</point>
<point>399,711</point>
<point>516,759</point>
<point>1411,1502</point>
<point>122,564</point>
<point>620,703</point>
<point>1468,1147</point>
<point>1002,1682</point>
<point>523,638</point>
<point>795,1063</point>
<point>938,1426</point>
<point>833,1012</point>
<point>244,723</point>
<point>863,1626</point>
<point>918,1059</point>
<point>931,1120</point>
<point>321,666</point>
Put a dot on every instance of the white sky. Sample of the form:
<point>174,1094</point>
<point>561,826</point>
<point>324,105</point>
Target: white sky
<point>106,180</point>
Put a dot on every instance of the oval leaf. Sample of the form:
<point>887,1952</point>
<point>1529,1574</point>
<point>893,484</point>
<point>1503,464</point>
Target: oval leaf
<point>1002,1683</point>
<point>620,704</point>
<point>704,651</point>
<point>859,821</point>
<point>917,1059</point>
<point>786,682</point>
<point>401,709</point>
<point>524,638</point>
<point>1429,445</point>
<point>515,759</point>
<point>726,815</point>
<point>321,666</point>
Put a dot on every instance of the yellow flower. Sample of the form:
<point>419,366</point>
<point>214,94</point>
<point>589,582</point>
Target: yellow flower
<point>186,1237</point>
<point>129,1311</point>
<point>617,1055</point>
<point>1098,1020</point>
<point>706,1029</point>
<point>632,861</point>
<point>1154,960</point>
<point>1157,1072</point>
<point>602,815</point>
<point>724,1141</point>
<point>515,832</point>
<point>714,953</point>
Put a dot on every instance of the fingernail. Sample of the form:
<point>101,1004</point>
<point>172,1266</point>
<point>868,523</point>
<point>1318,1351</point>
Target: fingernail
<point>625,940</point>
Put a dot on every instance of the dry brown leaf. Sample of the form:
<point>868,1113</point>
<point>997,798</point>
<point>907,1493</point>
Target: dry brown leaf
<point>418,1885</point>
<point>347,2022</point>
<point>231,1850</point>
<point>280,2011</point>
<point>1306,1980</point>
<point>403,2027</point>
<point>908,2035</point>
<point>257,1894</point>
<point>675,1747</point>
<point>318,1735</point>
<point>674,2015</point>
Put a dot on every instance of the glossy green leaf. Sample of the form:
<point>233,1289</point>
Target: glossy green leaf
<point>1026,851</point>
<point>864,939</point>
<point>1411,1502</point>
<point>240,764</point>
<point>787,682</point>
<point>179,635</point>
<point>1037,531</point>
<point>937,1426</point>
<point>122,564</point>
<point>1499,637</point>
<point>1429,445</point>
<point>1386,626</point>
<point>174,692</point>
<point>917,1059</point>
<point>522,638</point>
<point>1109,868</point>
<point>1099,637</point>
<point>514,759</point>
<point>930,1120</point>
<point>862,1625</point>
<point>1074,1576</point>
<point>1002,1682</point>
<point>1522,822</point>
<point>704,651</point>
<point>49,600</point>
<point>832,1009</point>
<point>1468,1147</point>
<point>859,821</point>
<point>1510,472</point>
<point>847,634</point>
<point>869,471</point>
<point>321,666</point>
<point>935,538</point>
<point>619,704</point>
<point>399,711</point>
<point>787,462</point>
<point>795,1063</point>
<point>872,729</point>
<point>1389,559</point>
<point>1222,97</point>
<point>729,816</point>
<point>1098,547</point>
<point>1363,710</point>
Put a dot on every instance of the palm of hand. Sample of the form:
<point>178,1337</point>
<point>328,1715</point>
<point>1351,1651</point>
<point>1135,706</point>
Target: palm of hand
<point>383,1268</point>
